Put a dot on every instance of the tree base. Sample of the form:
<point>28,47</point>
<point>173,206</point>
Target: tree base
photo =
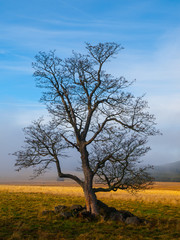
<point>105,212</point>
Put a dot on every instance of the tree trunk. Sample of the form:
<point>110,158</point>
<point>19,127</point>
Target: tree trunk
<point>90,196</point>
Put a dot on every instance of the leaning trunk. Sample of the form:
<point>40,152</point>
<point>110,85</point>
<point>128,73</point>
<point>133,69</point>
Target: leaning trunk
<point>90,196</point>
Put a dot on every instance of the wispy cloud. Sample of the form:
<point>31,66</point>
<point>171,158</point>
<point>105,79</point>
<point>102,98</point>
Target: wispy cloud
<point>22,104</point>
<point>2,51</point>
<point>19,68</point>
<point>30,32</point>
<point>156,70</point>
<point>63,31</point>
<point>37,38</point>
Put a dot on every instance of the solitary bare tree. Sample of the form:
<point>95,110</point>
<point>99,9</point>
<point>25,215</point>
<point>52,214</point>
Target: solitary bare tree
<point>92,112</point>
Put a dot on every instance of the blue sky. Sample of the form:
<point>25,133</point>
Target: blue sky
<point>148,30</point>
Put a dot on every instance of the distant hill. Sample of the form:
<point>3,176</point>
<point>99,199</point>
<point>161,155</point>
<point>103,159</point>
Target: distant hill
<point>167,173</point>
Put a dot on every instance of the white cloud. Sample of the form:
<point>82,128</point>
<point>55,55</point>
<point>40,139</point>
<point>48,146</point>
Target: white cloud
<point>167,109</point>
<point>13,118</point>
<point>21,67</point>
<point>158,75</point>
<point>157,68</point>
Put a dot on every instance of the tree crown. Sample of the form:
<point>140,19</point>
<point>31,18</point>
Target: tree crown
<point>94,113</point>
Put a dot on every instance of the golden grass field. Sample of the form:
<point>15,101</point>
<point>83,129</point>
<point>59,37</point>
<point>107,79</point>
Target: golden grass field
<point>161,192</point>
<point>21,207</point>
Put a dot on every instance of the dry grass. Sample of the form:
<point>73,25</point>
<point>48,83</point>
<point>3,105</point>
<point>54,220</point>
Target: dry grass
<point>21,216</point>
<point>166,193</point>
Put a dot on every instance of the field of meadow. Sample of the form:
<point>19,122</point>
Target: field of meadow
<point>21,208</point>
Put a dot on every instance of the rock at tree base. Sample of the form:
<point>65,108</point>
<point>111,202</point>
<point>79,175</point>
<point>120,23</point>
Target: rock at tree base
<point>112,214</point>
<point>65,214</point>
<point>133,220</point>
<point>60,208</point>
<point>86,215</point>
<point>76,207</point>
<point>108,213</point>
<point>116,216</point>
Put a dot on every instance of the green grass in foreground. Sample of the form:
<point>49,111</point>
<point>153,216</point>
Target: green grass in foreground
<point>20,218</point>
